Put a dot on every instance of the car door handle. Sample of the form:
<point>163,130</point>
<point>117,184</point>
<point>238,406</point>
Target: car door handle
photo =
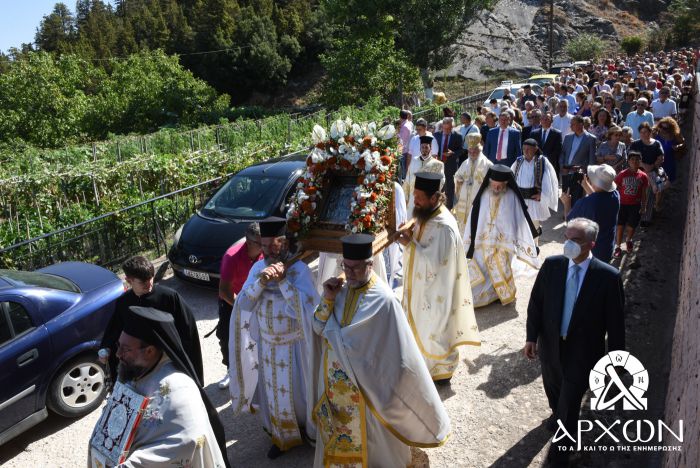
<point>27,357</point>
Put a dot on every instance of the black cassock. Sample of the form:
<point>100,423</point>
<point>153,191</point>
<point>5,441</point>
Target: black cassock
<point>166,300</point>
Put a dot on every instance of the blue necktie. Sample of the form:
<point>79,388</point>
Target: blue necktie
<point>569,299</point>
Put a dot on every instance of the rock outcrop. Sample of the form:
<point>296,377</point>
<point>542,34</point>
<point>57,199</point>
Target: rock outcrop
<point>513,37</point>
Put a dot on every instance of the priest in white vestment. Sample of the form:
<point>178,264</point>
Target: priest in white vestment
<point>425,163</point>
<point>270,322</point>
<point>436,295</point>
<point>374,397</point>
<point>499,230</point>
<point>468,179</point>
<point>178,425</point>
<point>538,183</point>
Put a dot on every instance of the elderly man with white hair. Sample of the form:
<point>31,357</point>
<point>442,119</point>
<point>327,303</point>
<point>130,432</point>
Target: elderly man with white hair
<point>635,119</point>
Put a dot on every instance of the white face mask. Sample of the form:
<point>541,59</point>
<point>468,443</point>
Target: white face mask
<point>571,249</point>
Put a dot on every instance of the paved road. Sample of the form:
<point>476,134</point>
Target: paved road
<point>496,402</point>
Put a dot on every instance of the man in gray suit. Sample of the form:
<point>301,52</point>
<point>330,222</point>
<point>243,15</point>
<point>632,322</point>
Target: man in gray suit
<point>578,151</point>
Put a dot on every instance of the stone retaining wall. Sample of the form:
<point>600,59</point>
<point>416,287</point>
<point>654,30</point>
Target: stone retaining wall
<point>683,397</point>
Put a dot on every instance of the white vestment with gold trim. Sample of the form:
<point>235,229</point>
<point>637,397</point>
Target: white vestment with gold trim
<point>502,234</point>
<point>373,395</point>
<point>469,177</point>
<point>420,165</point>
<point>436,296</point>
<point>268,362</point>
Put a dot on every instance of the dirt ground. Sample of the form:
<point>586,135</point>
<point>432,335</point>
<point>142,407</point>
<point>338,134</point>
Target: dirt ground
<point>496,401</point>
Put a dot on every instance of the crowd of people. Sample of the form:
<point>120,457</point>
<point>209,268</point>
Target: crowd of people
<point>346,362</point>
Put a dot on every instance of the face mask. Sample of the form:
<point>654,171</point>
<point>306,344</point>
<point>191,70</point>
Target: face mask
<point>571,249</point>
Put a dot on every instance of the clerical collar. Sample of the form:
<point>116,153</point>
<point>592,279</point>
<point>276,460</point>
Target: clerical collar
<point>425,158</point>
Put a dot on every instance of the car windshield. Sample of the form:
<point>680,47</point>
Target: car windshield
<point>498,93</point>
<point>246,197</point>
<point>40,280</point>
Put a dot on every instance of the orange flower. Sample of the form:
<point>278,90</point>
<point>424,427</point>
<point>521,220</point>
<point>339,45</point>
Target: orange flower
<point>386,160</point>
<point>307,207</point>
<point>360,163</point>
<point>310,190</point>
<point>293,225</point>
<point>321,145</point>
<point>373,196</point>
<point>332,160</point>
<point>381,178</point>
<point>367,140</point>
<point>361,180</point>
<point>350,139</point>
<point>345,164</point>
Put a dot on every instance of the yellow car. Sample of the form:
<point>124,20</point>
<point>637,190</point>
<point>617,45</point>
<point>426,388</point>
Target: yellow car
<point>542,79</point>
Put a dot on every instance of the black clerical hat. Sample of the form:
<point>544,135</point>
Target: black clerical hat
<point>426,140</point>
<point>530,142</point>
<point>428,182</point>
<point>273,227</point>
<point>357,246</point>
<point>500,173</point>
<point>142,323</point>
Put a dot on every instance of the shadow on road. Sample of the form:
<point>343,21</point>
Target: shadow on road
<point>525,450</point>
<point>50,425</point>
<point>495,314</point>
<point>508,371</point>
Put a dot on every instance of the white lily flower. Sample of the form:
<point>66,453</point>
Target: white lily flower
<point>318,156</point>
<point>318,135</point>
<point>371,128</point>
<point>337,129</point>
<point>348,122</point>
<point>357,132</point>
<point>386,133</point>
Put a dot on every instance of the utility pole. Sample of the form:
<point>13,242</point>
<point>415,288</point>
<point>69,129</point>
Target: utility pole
<point>551,33</point>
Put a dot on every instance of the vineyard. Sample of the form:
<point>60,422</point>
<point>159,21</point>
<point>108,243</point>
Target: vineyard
<point>45,191</point>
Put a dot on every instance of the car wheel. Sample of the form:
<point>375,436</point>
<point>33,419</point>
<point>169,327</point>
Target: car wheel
<point>78,387</point>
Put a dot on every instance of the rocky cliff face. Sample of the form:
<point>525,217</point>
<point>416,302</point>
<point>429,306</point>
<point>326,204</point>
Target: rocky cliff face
<point>514,36</point>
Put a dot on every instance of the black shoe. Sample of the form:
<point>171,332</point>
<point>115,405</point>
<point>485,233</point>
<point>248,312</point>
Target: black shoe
<point>443,382</point>
<point>274,452</point>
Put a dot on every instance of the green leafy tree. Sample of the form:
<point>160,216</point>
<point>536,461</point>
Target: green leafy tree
<point>356,73</point>
<point>425,31</point>
<point>632,44</point>
<point>586,47</point>
<point>685,16</point>
<point>57,30</point>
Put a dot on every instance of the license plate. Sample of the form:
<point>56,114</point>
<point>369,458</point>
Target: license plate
<point>196,275</point>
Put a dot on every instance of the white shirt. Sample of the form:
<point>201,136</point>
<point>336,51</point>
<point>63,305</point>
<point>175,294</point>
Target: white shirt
<point>663,109</point>
<point>582,272</point>
<point>414,146</point>
<point>563,124</point>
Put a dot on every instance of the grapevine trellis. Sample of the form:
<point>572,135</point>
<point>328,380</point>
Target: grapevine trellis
<point>45,190</point>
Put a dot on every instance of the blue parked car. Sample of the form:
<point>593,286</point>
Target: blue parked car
<point>51,323</point>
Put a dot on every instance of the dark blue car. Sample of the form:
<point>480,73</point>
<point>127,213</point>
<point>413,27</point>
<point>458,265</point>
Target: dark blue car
<point>51,323</point>
<point>254,193</point>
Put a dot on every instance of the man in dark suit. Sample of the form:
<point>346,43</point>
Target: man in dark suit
<point>503,143</point>
<point>575,301</point>
<point>578,151</point>
<point>549,140</point>
<point>451,153</point>
<point>490,121</point>
<point>533,120</point>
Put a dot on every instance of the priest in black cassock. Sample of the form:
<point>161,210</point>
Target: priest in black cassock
<point>139,273</point>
